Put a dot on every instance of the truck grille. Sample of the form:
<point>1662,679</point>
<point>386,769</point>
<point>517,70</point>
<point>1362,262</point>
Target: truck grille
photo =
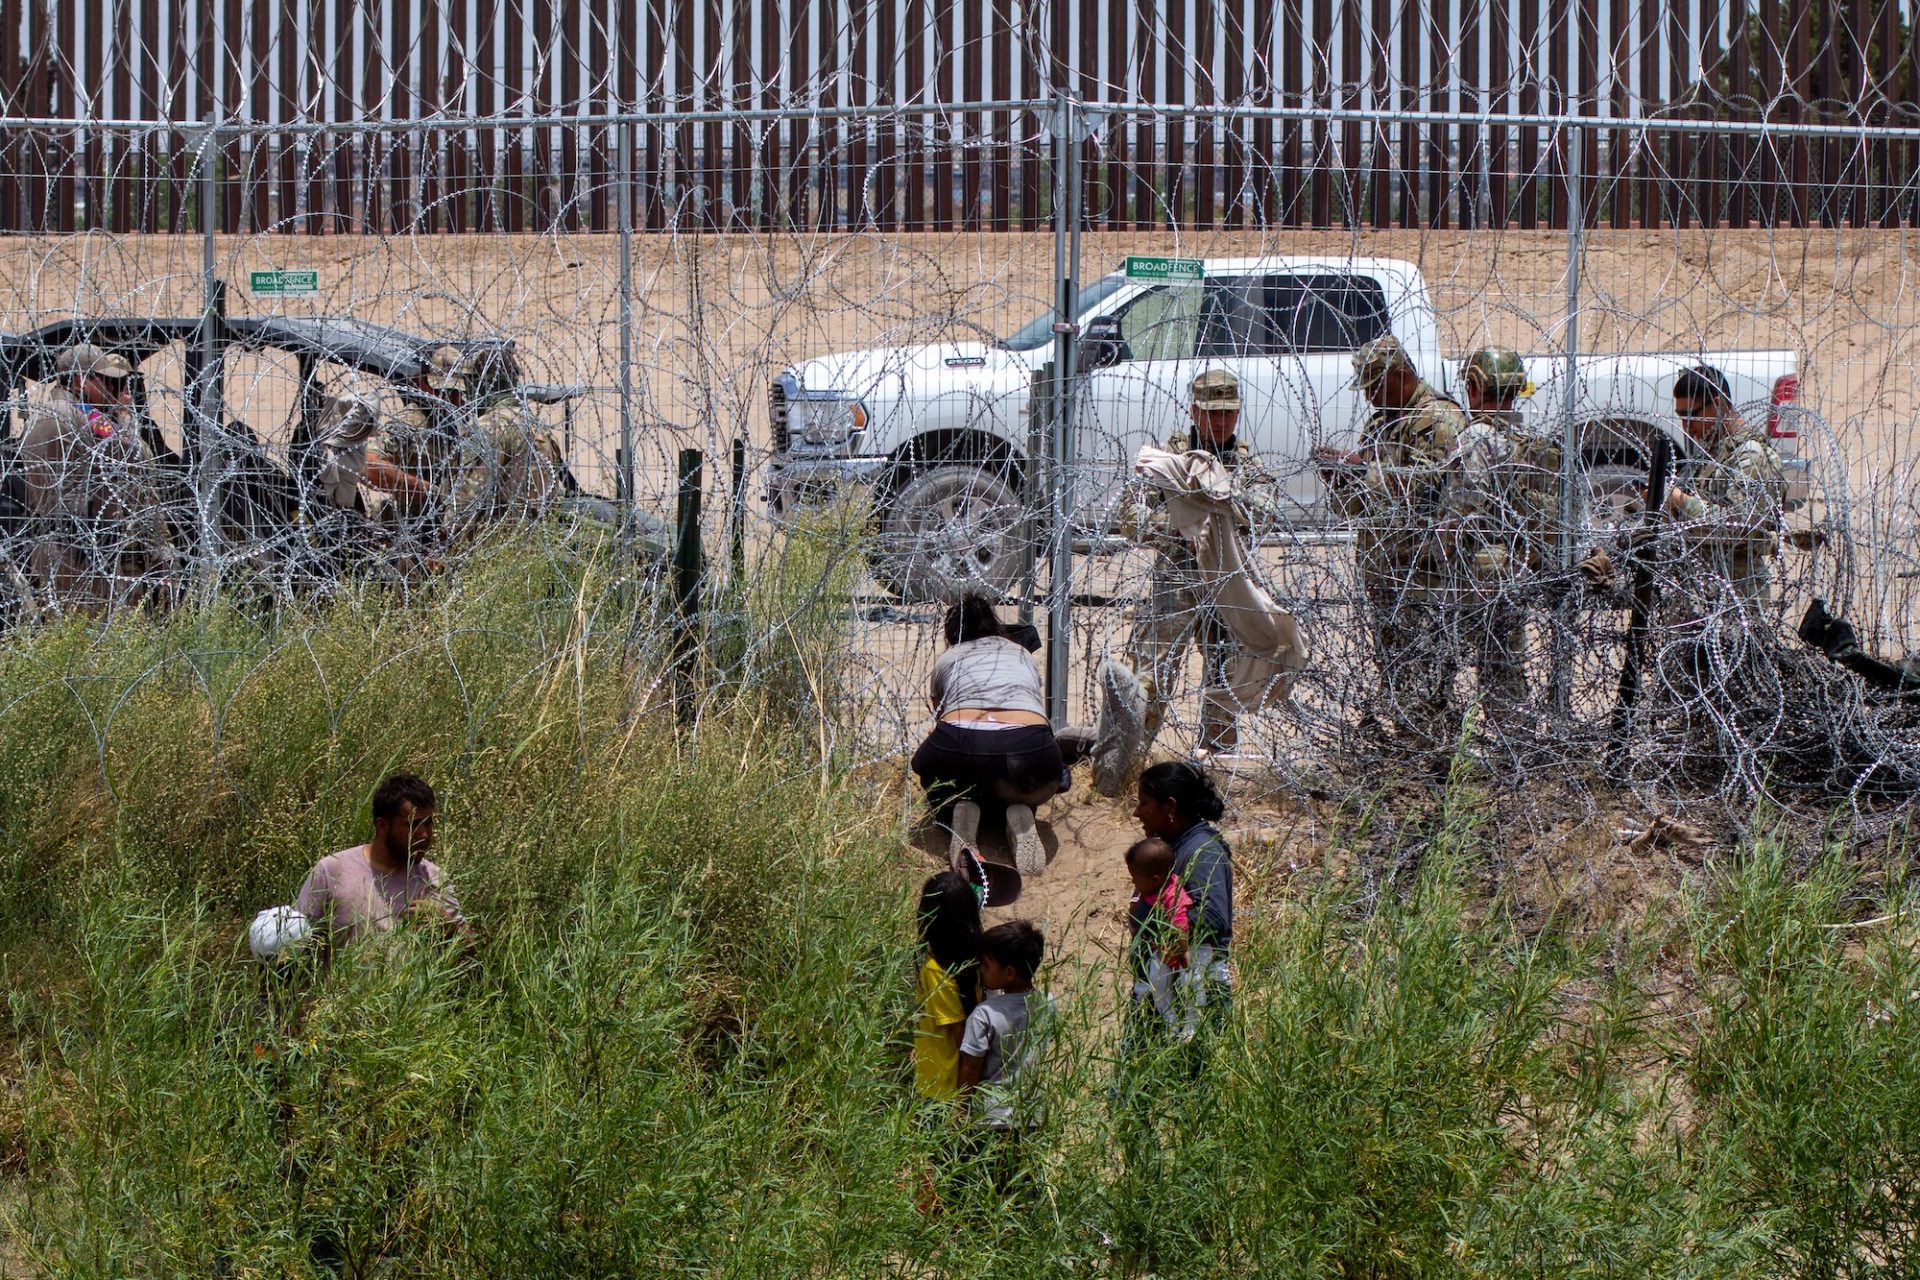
<point>777,414</point>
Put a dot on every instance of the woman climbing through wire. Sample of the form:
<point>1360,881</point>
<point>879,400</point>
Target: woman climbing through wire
<point>991,743</point>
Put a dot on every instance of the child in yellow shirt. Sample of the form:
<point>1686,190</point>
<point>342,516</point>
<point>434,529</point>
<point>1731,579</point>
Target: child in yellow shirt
<point>947,985</point>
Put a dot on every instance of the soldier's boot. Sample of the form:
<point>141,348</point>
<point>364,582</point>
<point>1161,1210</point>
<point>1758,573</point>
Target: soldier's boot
<point>1219,732</point>
<point>1029,855</point>
<point>966,833</point>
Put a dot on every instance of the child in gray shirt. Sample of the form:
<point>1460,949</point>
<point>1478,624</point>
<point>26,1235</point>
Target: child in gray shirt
<point>1006,1034</point>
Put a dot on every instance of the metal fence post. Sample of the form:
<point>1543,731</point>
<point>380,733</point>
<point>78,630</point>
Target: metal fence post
<point>1041,386</point>
<point>206,404</point>
<point>1059,470</point>
<point>737,516</point>
<point>625,481</point>
<point>1571,469</point>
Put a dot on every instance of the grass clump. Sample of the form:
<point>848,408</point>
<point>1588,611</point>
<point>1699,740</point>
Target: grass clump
<point>1806,1067</point>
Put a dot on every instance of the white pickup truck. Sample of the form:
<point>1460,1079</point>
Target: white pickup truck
<point>939,433</point>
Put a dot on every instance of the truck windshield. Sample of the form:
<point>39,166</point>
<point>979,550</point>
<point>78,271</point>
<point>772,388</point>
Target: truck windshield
<point>1038,332</point>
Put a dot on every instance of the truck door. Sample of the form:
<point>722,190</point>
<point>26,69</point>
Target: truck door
<point>1140,399</point>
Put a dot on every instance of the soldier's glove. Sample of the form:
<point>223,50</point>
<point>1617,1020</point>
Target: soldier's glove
<point>1596,570</point>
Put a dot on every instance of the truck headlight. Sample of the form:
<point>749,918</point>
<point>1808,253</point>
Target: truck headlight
<point>827,421</point>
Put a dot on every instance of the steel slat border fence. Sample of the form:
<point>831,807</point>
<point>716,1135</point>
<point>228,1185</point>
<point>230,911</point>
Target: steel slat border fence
<point>178,65</point>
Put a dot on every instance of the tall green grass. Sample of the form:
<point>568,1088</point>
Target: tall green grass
<point>680,1045</point>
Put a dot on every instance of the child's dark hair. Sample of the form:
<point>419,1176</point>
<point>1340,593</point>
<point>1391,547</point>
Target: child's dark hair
<point>1190,791</point>
<point>972,617</point>
<point>1152,856</point>
<point>1017,944</point>
<point>950,929</point>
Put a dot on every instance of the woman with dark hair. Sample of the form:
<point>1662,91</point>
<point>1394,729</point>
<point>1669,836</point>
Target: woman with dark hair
<point>1179,805</point>
<point>991,743</point>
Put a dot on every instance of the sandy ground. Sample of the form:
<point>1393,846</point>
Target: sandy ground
<point>1562,857</point>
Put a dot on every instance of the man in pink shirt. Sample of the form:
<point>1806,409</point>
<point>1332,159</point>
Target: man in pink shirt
<point>371,887</point>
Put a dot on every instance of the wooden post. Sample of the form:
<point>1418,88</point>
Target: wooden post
<point>687,558</point>
<point>737,513</point>
<point>687,565</point>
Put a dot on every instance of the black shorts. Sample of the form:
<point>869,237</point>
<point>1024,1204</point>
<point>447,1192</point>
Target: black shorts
<point>1020,765</point>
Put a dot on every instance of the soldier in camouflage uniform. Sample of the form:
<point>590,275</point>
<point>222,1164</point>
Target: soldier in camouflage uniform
<point>479,460</point>
<point>94,518</point>
<point>412,453</point>
<point>1730,499</point>
<point>508,466</point>
<point>1395,487</point>
<point>1177,609</point>
<point>1500,497</point>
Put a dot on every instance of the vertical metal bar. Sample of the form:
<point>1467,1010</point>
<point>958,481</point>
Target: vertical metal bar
<point>1292,169</point>
<point>886,184</point>
<point>1251,172</point>
<point>1559,102</point>
<point>1322,47</point>
<point>1619,145</point>
<point>1528,69</point>
<point>625,483</point>
<point>1570,469</point>
<point>206,399</point>
<point>1040,393</point>
<point>1441,183</point>
<point>1146,203</point>
<point>917,145</point>
<point>1499,93</point>
<point>999,139</point>
<point>209,282</point>
<point>1206,92</point>
<point>1350,97</point>
<point>1379,151</point>
<point>1405,100</point>
<point>1066,269</point>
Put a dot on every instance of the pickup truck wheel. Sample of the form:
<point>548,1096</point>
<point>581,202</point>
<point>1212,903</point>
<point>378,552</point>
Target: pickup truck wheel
<point>1612,489</point>
<point>949,529</point>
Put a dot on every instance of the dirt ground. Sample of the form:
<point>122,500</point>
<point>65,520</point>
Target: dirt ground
<point>1589,869</point>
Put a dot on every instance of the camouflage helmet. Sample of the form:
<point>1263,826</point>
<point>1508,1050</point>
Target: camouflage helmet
<point>1216,389</point>
<point>84,359</point>
<point>1496,369</point>
<point>1373,359</point>
<point>449,368</point>
<point>492,367</point>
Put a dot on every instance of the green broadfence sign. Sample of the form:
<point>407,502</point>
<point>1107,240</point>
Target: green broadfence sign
<point>282,284</point>
<point>1174,270</point>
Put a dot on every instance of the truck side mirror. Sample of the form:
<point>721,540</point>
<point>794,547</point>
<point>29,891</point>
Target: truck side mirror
<point>1101,345</point>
